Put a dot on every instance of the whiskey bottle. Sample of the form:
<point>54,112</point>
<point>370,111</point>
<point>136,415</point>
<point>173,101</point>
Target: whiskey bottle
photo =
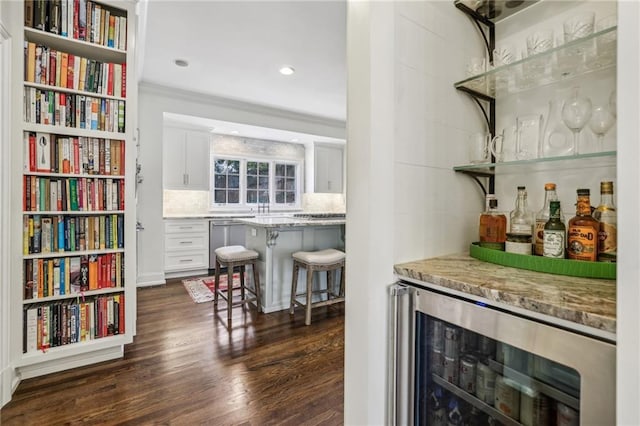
<point>582,234</point>
<point>493,226</point>
<point>521,219</point>
<point>554,233</point>
<point>605,213</point>
<point>543,216</point>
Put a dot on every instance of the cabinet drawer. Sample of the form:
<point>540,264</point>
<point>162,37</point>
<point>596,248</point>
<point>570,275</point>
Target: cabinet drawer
<point>182,242</point>
<point>186,226</point>
<point>185,261</point>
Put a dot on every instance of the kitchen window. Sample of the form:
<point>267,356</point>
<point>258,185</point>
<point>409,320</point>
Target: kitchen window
<point>247,182</point>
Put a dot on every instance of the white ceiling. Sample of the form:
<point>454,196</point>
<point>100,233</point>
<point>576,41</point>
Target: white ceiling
<point>235,49</point>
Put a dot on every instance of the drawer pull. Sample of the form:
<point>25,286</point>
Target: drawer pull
<point>186,242</point>
<point>186,260</point>
<point>186,227</point>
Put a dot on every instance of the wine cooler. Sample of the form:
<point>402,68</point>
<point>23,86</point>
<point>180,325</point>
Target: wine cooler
<point>455,361</point>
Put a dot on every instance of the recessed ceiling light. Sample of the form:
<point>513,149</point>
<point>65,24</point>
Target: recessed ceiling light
<point>234,132</point>
<point>181,63</point>
<point>212,130</point>
<point>294,140</point>
<point>287,70</point>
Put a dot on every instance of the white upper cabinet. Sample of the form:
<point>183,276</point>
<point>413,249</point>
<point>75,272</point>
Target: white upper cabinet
<point>185,159</point>
<point>329,168</point>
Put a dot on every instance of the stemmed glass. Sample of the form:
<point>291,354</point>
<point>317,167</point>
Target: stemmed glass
<point>601,121</point>
<point>576,113</point>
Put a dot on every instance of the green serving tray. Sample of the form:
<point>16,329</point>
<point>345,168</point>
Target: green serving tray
<point>574,268</point>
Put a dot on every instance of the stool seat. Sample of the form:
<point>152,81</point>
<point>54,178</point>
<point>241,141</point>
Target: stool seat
<point>235,254</point>
<point>329,260</point>
<point>320,257</point>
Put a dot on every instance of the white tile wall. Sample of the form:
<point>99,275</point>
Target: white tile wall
<point>436,210</point>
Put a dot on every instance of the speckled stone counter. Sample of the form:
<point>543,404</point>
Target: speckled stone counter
<point>584,301</point>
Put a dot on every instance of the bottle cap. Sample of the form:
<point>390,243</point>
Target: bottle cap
<point>584,191</point>
<point>606,187</point>
<point>522,188</point>
<point>549,186</point>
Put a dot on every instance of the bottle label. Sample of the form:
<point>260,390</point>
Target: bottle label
<point>607,238</point>
<point>582,243</point>
<point>517,228</point>
<point>554,243</point>
<point>539,237</point>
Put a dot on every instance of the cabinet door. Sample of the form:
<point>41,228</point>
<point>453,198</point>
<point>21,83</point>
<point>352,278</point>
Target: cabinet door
<point>197,160</point>
<point>328,169</point>
<point>173,158</point>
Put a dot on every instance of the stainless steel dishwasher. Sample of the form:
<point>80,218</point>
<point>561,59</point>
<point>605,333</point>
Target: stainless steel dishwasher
<point>224,232</point>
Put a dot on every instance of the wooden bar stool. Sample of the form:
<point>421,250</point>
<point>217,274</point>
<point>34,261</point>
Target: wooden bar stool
<point>329,260</point>
<point>232,257</point>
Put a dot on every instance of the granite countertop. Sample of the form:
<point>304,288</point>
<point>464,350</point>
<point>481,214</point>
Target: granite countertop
<point>584,301</point>
<point>287,221</point>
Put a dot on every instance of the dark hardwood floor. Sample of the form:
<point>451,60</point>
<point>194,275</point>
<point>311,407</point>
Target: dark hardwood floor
<point>185,367</point>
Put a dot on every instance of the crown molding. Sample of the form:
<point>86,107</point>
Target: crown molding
<point>157,89</point>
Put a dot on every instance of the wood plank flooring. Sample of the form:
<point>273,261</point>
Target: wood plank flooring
<point>186,367</point>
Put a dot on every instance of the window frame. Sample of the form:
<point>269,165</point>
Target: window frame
<point>243,204</point>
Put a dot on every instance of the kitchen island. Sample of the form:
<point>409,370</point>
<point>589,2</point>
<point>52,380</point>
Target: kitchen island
<point>585,305</point>
<point>276,238</point>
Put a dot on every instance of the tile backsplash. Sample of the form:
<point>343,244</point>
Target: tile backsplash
<point>184,202</point>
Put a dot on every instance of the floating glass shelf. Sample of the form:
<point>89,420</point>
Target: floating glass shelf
<point>604,158</point>
<point>589,54</point>
<point>493,10</point>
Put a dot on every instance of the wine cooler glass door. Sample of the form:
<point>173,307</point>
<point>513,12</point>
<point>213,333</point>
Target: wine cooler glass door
<point>476,365</point>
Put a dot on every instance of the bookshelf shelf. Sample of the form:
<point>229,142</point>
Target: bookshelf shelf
<point>71,253</point>
<point>76,155</point>
<point>83,294</point>
<point>74,91</point>
<point>72,131</point>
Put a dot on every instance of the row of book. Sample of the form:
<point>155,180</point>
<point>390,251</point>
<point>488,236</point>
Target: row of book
<point>72,321</point>
<point>61,234</point>
<point>78,19</point>
<point>62,276</point>
<point>72,110</point>
<point>45,65</point>
<point>72,194</point>
<point>50,153</point>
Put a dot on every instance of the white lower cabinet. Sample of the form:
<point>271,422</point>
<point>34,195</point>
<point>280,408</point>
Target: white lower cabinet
<point>186,246</point>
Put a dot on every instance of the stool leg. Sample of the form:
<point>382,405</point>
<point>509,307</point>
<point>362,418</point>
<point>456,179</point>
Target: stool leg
<point>216,284</point>
<point>256,283</point>
<point>307,317</point>
<point>330,283</point>
<point>342,281</point>
<point>242,295</point>
<point>230,268</point>
<point>294,286</point>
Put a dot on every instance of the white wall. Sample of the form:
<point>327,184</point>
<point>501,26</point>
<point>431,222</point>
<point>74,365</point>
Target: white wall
<point>406,127</point>
<point>6,372</point>
<point>404,121</point>
<point>628,315</point>
<point>153,102</point>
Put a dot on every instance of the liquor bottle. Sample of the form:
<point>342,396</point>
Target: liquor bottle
<point>521,219</point>
<point>554,234</point>
<point>543,216</point>
<point>605,213</point>
<point>582,235</point>
<point>493,226</point>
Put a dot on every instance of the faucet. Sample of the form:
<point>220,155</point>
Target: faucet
<point>265,207</point>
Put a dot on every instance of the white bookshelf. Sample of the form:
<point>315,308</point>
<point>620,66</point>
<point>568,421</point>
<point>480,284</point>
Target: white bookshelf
<point>50,359</point>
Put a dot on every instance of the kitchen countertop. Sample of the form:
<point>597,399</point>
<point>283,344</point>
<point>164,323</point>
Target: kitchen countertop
<point>287,221</point>
<point>583,301</point>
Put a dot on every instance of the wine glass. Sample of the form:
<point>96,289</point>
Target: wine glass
<point>601,121</point>
<point>576,113</point>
